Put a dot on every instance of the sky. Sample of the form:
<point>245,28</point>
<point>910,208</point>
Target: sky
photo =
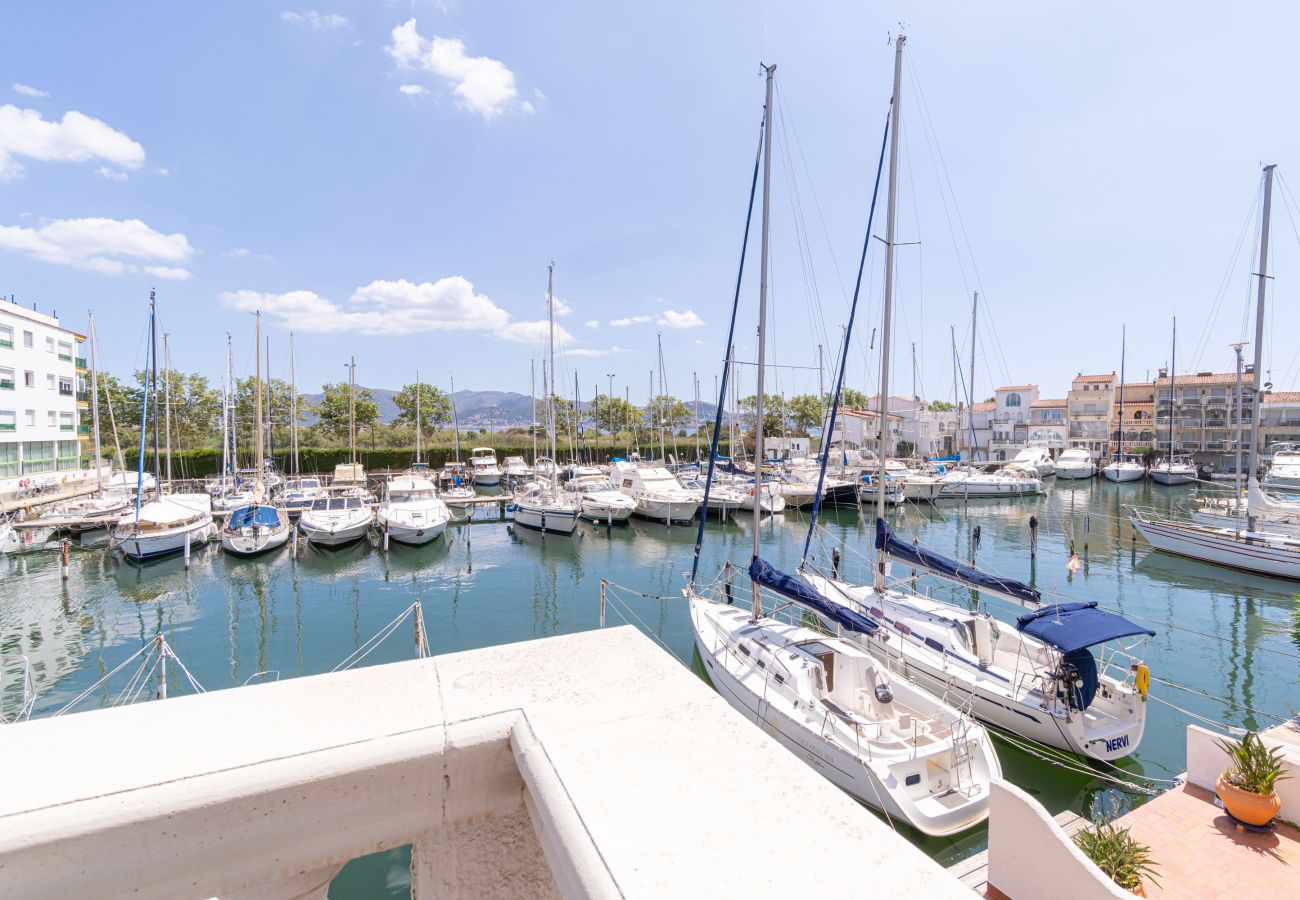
<point>390,180</point>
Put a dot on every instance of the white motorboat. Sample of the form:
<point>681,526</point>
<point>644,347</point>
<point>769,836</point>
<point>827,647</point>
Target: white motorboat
<point>336,521</point>
<point>1173,472</point>
<point>165,526</point>
<point>348,476</point>
<point>455,487</point>
<point>1037,461</point>
<point>1075,464</point>
<point>23,539</point>
<point>971,483</point>
<point>1124,470</point>
<point>1284,473</point>
<point>797,494</point>
<point>412,513</point>
<point>483,463</point>
<point>300,493</point>
<point>770,499</point>
<point>725,497</point>
<point>130,483</point>
<point>90,513</point>
<point>515,469</point>
<point>881,739</point>
<point>1039,680</point>
<point>657,493</point>
<point>254,529</point>
<point>919,487</point>
<point>598,500</point>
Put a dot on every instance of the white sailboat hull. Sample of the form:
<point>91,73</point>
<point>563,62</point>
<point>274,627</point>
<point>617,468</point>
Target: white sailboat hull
<point>1123,474</point>
<point>1264,554</point>
<point>156,544</point>
<point>254,541</point>
<point>552,519</point>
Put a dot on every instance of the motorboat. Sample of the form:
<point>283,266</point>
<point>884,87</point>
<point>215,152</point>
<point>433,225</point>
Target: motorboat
<point>1038,679</point>
<point>1075,464</point>
<point>515,469</point>
<point>455,487</point>
<point>1037,461</point>
<point>335,521</point>
<point>164,526</point>
<point>598,500</point>
<point>1284,473</point>
<point>254,529</point>
<point>483,463</point>
<point>867,489</point>
<point>1124,470</point>
<point>90,513</point>
<point>770,500</point>
<point>725,497</point>
<point>300,493</point>
<point>797,494</point>
<point>412,513</point>
<point>919,487</point>
<point>657,494</point>
<point>1172,472</point>
<point>348,476</point>
<point>973,483</point>
<point>130,483</point>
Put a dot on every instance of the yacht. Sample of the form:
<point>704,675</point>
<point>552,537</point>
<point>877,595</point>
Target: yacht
<point>1036,461</point>
<point>971,483</point>
<point>1124,470</point>
<point>483,462</point>
<point>455,486</point>
<point>348,476</point>
<point>657,494</point>
<point>1284,473</point>
<point>867,489</point>
<point>1173,471</point>
<point>599,501</point>
<point>337,520</point>
<point>412,512</point>
<point>542,507</point>
<point>725,497</point>
<point>1075,464</point>
<point>797,494</point>
<point>300,493</point>
<point>165,526</point>
<point>515,469</point>
<point>918,486</point>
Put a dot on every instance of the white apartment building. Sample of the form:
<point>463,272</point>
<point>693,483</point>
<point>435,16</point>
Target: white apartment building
<point>43,390</point>
<point>923,431</point>
<point>1010,421</point>
<point>859,429</point>
<point>1089,407</point>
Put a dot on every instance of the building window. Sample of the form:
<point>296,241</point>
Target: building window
<point>49,382</point>
<point>66,422</point>
<point>29,379</point>
<point>65,351</point>
<point>31,418</point>
<point>69,455</point>
<point>9,465</point>
<point>6,379</point>
<point>28,339</point>
<point>8,420</point>
<point>1013,400</point>
<point>38,456</point>
<point>6,337</point>
<point>49,345</point>
<point>52,418</point>
<point>65,385</point>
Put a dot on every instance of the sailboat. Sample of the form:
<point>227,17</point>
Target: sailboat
<point>880,738</point>
<point>1121,469</point>
<point>299,491</point>
<point>455,484</point>
<point>168,523</point>
<point>1252,544</point>
<point>411,512</point>
<point>1172,469</point>
<point>540,505</point>
<point>260,526</point>
<point>345,515</point>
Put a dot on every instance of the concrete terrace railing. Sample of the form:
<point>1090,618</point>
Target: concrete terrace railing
<point>1206,762</point>
<point>590,765</point>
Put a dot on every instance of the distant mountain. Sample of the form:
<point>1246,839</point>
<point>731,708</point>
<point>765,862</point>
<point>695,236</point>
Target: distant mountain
<point>493,410</point>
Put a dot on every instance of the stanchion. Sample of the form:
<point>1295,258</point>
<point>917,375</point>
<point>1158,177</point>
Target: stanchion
<point>187,549</point>
<point>603,582</point>
<point>65,569</point>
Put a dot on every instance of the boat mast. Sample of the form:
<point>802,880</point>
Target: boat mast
<point>257,410</point>
<point>167,403</point>
<point>550,395</point>
<point>695,378</point>
<point>455,421</point>
<point>532,423</point>
<point>756,604</point>
<point>970,390</point>
<point>144,422</point>
<point>1237,402</point>
<point>1173,370</point>
<point>956,399</point>
<point>153,359</point>
<point>1123,346</point>
<point>1252,466</point>
<point>94,401</point>
<point>233,462</point>
<point>891,206</point>
<point>352,412</point>
<point>293,407</point>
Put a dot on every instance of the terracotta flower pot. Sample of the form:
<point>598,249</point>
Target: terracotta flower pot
<point>1253,809</point>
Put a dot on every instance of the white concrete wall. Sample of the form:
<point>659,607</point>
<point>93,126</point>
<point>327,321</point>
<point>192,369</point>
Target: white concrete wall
<point>1031,857</point>
<point>1206,761</point>
<point>637,781</point>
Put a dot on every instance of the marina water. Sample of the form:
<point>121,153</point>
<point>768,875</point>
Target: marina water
<point>1234,636</point>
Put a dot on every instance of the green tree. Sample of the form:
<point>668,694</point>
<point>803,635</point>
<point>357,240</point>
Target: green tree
<point>118,403</point>
<point>805,412</point>
<point>940,406</point>
<point>667,412</point>
<point>332,410</point>
<point>853,399</point>
<point>774,420</point>
<point>435,407</point>
<point>614,414</point>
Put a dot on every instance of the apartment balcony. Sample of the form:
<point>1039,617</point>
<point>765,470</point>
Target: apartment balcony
<point>65,357</point>
<point>81,362</point>
<point>83,396</point>
<point>83,430</point>
<point>6,385</point>
<point>65,392</point>
<point>8,426</point>
<point>6,345</point>
<point>1216,401</point>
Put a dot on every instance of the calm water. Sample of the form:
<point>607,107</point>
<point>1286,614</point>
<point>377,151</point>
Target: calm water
<point>1234,636</point>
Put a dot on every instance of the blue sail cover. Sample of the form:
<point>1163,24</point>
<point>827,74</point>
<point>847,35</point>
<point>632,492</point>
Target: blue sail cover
<point>1073,626</point>
<point>761,571</point>
<point>255,515</point>
<point>896,548</point>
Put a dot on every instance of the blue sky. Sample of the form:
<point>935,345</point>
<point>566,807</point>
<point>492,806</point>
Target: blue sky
<point>391,180</point>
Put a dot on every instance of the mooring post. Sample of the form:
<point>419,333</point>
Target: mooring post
<point>603,582</point>
<point>974,544</point>
<point>1087,524</point>
<point>1033,537</point>
<point>65,567</point>
<point>161,644</point>
<point>419,631</point>
<point>385,537</point>
<point>187,549</point>
<point>835,562</point>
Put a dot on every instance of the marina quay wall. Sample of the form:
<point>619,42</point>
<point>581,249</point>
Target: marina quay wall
<point>1206,761</point>
<point>587,765</point>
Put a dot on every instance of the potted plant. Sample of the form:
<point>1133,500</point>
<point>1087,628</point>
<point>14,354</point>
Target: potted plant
<point>1116,852</point>
<point>1246,787</point>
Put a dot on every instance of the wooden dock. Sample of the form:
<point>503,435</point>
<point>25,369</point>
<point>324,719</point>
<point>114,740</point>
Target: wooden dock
<point>974,870</point>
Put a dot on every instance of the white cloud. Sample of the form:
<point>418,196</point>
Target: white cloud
<point>562,308</point>
<point>482,85</point>
<point>111,174</point>
<point>97,245</point>
<point>74,138</point>
<point>687,319</point>
<point>591,351</point>
<point>322,23</point>
<point>592,323</point>
<point>161,171</point>
<point>413,90</point>
<point>28,91</point>
<point>396,307</point>
<point>239,251</point>
<point>631,320</point>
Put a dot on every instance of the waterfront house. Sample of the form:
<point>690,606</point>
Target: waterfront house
<point>1089,408</point>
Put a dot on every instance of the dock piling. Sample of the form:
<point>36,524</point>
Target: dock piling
<point>64,568</point>
<point>1033,537</point>
<point>603,582</point>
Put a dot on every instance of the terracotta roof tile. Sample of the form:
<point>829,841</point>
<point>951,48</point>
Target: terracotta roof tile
<point>1093,379</point>
<point>1019,387</point>
<point>1214,378</point>
<point>1282,397</point>
<point>1047,404</point>
<point>984,407</point>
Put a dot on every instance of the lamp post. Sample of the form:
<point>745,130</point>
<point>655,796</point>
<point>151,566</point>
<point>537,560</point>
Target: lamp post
<point>610,401</point>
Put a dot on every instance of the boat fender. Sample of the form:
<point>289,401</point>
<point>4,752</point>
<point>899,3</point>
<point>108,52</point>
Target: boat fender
<point>1143,679</point>
<point>884,694</point>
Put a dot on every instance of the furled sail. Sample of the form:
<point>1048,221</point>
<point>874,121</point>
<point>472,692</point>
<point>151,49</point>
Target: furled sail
<point>952,570</point>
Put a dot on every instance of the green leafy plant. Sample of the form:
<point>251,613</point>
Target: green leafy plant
<point>1116,852</point>
<point>1255,768</point>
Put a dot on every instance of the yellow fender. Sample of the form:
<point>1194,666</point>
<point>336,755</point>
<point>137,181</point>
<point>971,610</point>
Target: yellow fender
<point>1143,679</point>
